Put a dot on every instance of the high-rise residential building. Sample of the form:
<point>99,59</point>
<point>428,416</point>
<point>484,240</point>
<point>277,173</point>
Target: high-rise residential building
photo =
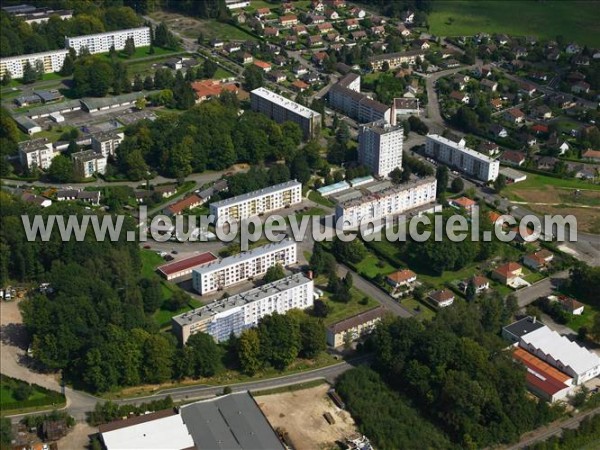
<point>106,142</point>
<point>234,314</point>
<point>49,61</point>
<point>244,266</point>
<point>37,153</point>
<point>258,202</point>
<point>382,199</point>
<point>87,162</point>
<point>380,147</point>
<point>461,158</point>
<point>102,42</point>
<point>281,109</point>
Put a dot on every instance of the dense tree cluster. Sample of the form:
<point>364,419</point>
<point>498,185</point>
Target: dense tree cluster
<point>584,436</point>
<point>206,9</point>
<point>9,137</point>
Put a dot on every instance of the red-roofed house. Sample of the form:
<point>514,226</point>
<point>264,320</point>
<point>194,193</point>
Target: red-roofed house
<point>441,298</point>
<point>319,57</point>
<point>185,266</point>
<point>538,260</point>
<point>542,379</point>
<point>507,272</point>
<point>513,158</point>
<point>352,24</point>
<point>187,203</point>
<point>401,278</point>
<point>300,86</point>
<point>569,304</point>
<point>496,103</point>
<point>325,27</point>
<point>514,115</point>
<point>539,128</point>
<point>332,14</point>
<point>463,202</point>
<point>262,12</point>
<point>271,32</point>
<point>207,89</point>
<point>288,21</point>
<point>265,66</point>
<point>592,155</point>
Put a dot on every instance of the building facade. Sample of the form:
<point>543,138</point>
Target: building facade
<point>239,312</point>
<point>396,59</point>
<point>102,42</point>
<point>345,96</point>
<point>86,163</point>
<point>36,154</point>
<point>385,199</point>
<point>353,328</point>
<point>244,266</point>
<point>258,202</point>
<point>50,61</point>
<point>106,142</point>
<point>281,109</point>
<point>462,158</point>
<point>380,147</point>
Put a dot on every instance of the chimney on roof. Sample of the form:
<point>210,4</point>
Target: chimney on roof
<point>393,113</point>
<point>534,319</point>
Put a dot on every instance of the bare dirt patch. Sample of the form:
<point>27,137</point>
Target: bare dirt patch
<point>78,437</point>
<point>301,414</point>
<point>588,219</point>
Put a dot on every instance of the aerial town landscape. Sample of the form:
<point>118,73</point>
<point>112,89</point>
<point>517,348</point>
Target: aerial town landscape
<point>233,224</point>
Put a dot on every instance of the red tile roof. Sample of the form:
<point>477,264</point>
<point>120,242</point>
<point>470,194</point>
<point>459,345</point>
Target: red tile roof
<point>402,276</point>
<point>508,269</point>
<point>212,88</point>
<point>184,204</point>
<point>442,295</point>
<point>193,261</point>
<point>464,202</point>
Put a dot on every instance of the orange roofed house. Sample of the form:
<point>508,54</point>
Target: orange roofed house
<point>187,203</point>
<point>401,278</point>
<point>207,89</point>
<point>442,298</point>
<point>265,66</point>
<point>507,272</point>
<point>463,202</point>
<point>538,260</point>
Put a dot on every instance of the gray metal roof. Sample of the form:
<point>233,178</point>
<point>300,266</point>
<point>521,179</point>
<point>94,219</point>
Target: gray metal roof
<point>230,422</point>
<point>524,326</point>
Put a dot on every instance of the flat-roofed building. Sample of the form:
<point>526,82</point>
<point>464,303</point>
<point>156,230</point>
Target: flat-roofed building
<point>185,266</point>
<point>396,59</point>
<point>247,265</point>
<point>37,153</point>
<point>462,158</point>
<point>102,42</point>
<point>384,199</point>
<point>345,96</point>
<point>258,202</point>
<point>380,147</point>
<point>87,162</point>
<point>281,109</point>
<point>354,328</point>
<point>50,61</point>
<point>106,142</point>
<point>236,313</point>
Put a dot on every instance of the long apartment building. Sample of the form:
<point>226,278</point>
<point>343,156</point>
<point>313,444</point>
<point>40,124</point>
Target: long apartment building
<point>281,109</point>
<point>50,61</point>
<point>247,265</point>
<point>236,313</point>
<point>396,59</point>
<point>37,153</point>
<point>383,199</point>
<point>102,42</point>
<point>380,147</point>
<point>258,202</point>
<point>462,158</point>
<point>345,96</point>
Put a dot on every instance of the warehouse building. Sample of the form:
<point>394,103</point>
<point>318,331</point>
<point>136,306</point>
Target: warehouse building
<point>236,313</point>
<point>380,147</point>
<point>462,158</point>
<point>258,202</point>
<point>50,61</point>
<point>281,109</point>
<point>102,42</point>
<point>381,199</point>
<point>247,265</point>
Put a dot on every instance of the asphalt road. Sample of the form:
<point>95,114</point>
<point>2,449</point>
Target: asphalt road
<point>542,288</point>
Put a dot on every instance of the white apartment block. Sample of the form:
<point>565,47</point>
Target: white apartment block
<point>37,153</point>
<point>242,311</point>
<point>385,199</point>
<point>281,109</point>
<point>244,266</point>
<point>51,61</point>
<point>107,142</point>
<point>86,163</point>
<point>102,42</point>
<point>462,158</point>
<point>258,202</point>
<point>380,147</point>
<point>396,59</point>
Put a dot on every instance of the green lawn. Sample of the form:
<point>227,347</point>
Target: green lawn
<point>225,31</point>
<point>222,73</point>
<point>340,311</point>
<point>318,198</point>
<point>372,266</point>
<point>536,181</point>
<point>421,310</point>
<point>575,20</point>
<point>38,396</point>
<point>584,320</point>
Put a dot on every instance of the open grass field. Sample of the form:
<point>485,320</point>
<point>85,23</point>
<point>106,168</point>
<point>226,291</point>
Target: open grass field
<point>32,396</point>
<point>576,20</point>
<point>191,28</point>
<point>584,320</point>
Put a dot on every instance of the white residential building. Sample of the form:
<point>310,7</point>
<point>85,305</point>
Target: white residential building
<point>561,353</point>
<point>102,42</point>
<point>247,265</point>
<point>107,142</point>
<point>258,202</point>
<point>37,153</point>
<point>50,61</point>
<point>87,162</point>
<point>385,199</point>
<point>461,158</point>
<point>237,313</point>
<point>380,147</point>
<point>281,109</point>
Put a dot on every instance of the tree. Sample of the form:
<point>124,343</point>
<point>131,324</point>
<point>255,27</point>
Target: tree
<point>148,83</point>
<point>6,78</point>
<point>30,74</point>
<point>442,176</point>
<point>300,169</point>
<point>396,175</point>
<point>500,183</point>
<point>249,351</point>
<point>61,169</point>
<point>6,435</point>
<point>417,125</point>
<point>138,84</point>
<point>206,355</point>
<point>313,336</point>
<point>253,78</point>
<point>209,68</point>
<point>92,77</point>
<point>457,185</point>
<point>353,251</point>
<point>280,340</point>
<point>129,47</point>
<point>158,359</point>
<point>386,66</point>
<point>274,273</point>
<point>68,66</point>
<point>23,391</point>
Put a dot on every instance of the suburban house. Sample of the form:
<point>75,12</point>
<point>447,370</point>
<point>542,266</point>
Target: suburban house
<point>332,14</point>
<point>166,190</point>
<point>592,155</point>
<point>353,328</point>
<point>288,21</point>
<point>207,89</point>
<point>184,204</point>
<point>496,103</point>
<point>262,12</point>
<point>580,87</point>
<point>488,85</point>
<point>568,304</point>
<point>515,115</point>
<point>543,112</point>
<point>401,278</point>
<point>325,27</point>
<point>463,202</point>
<point>405,32</point>
<point>264,66</point>
<point>498,130</point>
<point>460,97</point>
<point>479,283</point>
<point>277,76</point>
<point>513,158</point>
<point>352,24</point>
<point>441,298</point>
<point>507,272</point>
<point>299,86</point>
<point>315,41</point>
<point>538,260</point>
<point>488,148</point>
<point>407,16</point>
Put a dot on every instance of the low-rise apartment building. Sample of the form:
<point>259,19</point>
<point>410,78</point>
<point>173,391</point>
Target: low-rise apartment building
<point>102,42</point>
<point>461,158</point>
<point>396,59</point>
<point>384,199</point>
<point>36,154</point>
<point>258,202</point>
<point>346,97</point>
<point>87,162</point>
<point>244,266</point>
<point>106,142</point>
<point>234,314</point>
<point>353,328</point>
